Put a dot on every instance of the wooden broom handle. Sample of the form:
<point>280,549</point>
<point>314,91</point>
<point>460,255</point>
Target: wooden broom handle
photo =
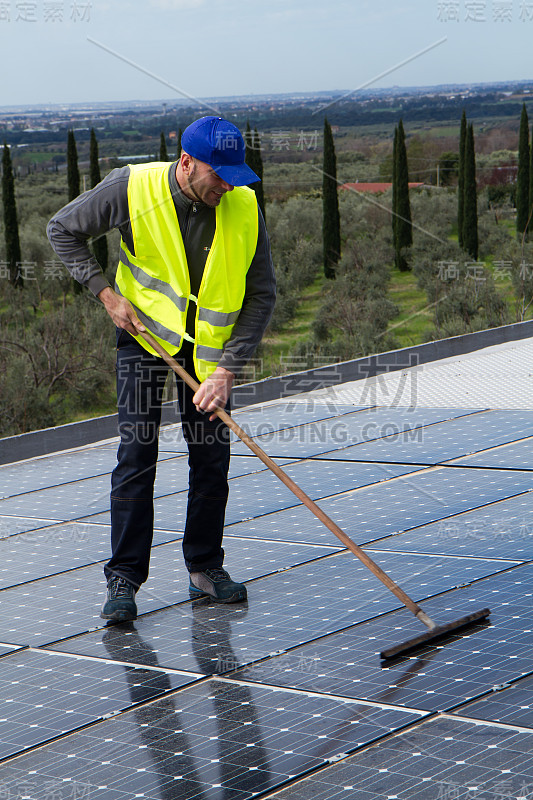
<point>300,494</point>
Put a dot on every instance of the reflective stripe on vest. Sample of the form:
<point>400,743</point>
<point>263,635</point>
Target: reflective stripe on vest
<point>156,279</point>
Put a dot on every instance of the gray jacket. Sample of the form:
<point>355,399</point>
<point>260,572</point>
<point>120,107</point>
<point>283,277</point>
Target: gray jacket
<point>105,207</point>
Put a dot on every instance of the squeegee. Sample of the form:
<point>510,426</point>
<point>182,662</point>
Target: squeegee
<point>434,631</point>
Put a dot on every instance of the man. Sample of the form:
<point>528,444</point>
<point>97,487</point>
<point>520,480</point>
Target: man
<point>196,271</point>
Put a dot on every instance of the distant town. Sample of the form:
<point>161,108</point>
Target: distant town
<point>29,125</point>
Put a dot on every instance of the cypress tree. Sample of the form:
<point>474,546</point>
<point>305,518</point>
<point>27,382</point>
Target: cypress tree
<point>11,228</point>
<point>178,150</point>
<point>394,185</point>
<point>403,227</point>
<point>248,142</point>
<point>163,154</point>
<point>331,230</point>
<point>100,243</point>
<point>461,179</point>
<point>253,158</point>
<point>530,226</point>
<point>258,169</point>
<point>73,173</point>
<point>94,166</point>
<point>470,234</point>
<point>522,180</point>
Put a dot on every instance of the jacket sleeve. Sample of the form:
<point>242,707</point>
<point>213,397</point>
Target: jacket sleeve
<point>92,214</point>
<point>257,308</point>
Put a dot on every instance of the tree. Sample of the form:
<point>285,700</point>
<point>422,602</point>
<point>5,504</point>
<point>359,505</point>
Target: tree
<point>255,162</point>
<point>100,243</point>
<point>530,226</point>
<point>461,179</point>
<point>94,164</point>
<point>394,184</point>
<point>163,154</point>
<point>331,227</point>
<point>403,229</point>
<point>522,180</point>
<point>11,228</point>
<point>470,232</point>
<point>448,168</point>
<point>259,188</point>
<point>178,150</point>
<point>73,173</point>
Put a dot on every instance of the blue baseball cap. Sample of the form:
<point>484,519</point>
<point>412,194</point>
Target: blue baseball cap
<point>217,142</point>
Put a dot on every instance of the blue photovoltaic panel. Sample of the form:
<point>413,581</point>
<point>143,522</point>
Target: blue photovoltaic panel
<point>40,473</point>
<point>264,493</point>
<point>436,677</point>
<point>510,705</point>
<point>89,497</point>
<point>50,694</point>
<point>446,440</point>
<point>64,502</point>
<point>499,530</point>
<point>340,433</point>
<point>518,455</point>
<point>34,613</point>
<point>441,759</point>
<point>10,525</point>
<point>340,592</point>
<point>266,419</point>
<point>28,556</point>
<point>300,678</point>
<point>376,511</point>
<point>54,470</point>
<point>247,739</point>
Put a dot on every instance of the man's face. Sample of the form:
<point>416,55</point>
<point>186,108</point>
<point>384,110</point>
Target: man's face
<point>205,185</point>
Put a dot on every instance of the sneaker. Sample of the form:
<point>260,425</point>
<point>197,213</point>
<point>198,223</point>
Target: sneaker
<point>216,584</point>
<point>120,602</point>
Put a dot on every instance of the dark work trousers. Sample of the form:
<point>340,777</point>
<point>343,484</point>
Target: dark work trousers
<point>140,382</point>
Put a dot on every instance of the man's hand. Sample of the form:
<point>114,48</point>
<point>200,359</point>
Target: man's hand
<point>213,393</point>
<point>121,311</point>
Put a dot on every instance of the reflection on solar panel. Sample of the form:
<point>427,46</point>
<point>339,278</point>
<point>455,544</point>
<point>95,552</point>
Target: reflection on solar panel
<point>284,695</point>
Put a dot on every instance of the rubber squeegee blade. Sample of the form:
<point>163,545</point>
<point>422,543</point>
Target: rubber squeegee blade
<point>435,633</point>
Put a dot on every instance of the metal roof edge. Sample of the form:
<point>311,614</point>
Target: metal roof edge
<point>77,434</point>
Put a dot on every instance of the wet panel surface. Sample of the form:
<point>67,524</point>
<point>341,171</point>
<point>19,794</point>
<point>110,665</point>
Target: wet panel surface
<point>442,759</point>
<point>339,591</point>
<point>437,676</point>
<point>34,613</point>
<point>303,679</point>
<point>512,705</point>
<point>57,548</point>
<point>47,694</point>
<point>219,738</point>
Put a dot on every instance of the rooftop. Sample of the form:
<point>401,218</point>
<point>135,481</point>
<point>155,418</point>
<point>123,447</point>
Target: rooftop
<point>430,468</point>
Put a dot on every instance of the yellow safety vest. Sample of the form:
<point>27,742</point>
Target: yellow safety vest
<point>156,279</point>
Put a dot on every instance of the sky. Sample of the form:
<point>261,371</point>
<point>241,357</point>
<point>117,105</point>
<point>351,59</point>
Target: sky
<point>68,51</point>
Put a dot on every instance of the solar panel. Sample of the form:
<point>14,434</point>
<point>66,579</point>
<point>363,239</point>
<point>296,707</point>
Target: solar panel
<point>211,701</point>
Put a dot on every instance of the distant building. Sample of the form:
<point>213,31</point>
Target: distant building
<point>374,188</point>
